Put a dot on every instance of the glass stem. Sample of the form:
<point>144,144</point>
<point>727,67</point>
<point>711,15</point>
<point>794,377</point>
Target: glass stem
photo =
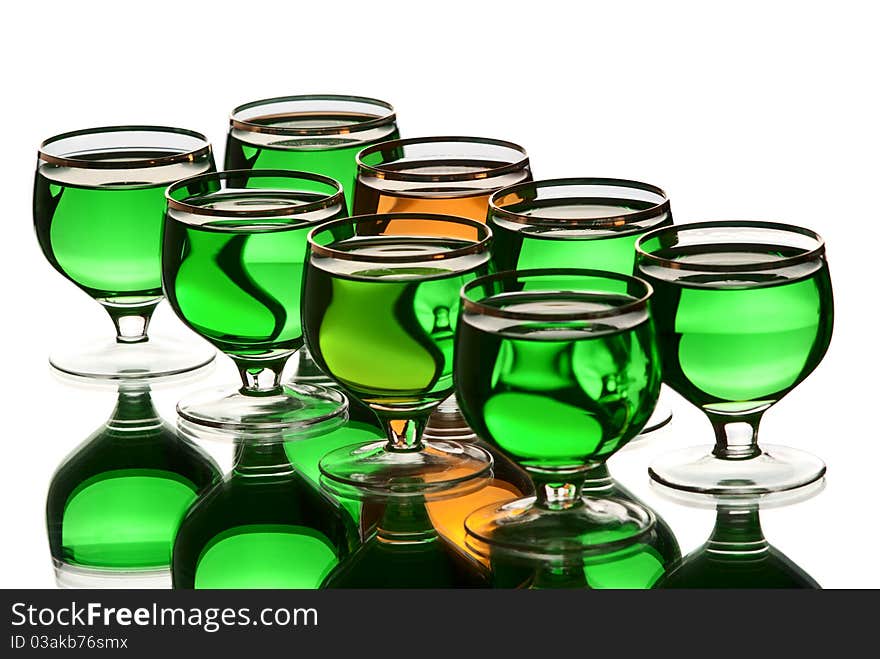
<point>131,321</point>
<point>403,434</point>
<point>260,378</point>
<point>736,437</point>
<point>559,491</point>
<point>737,530</point>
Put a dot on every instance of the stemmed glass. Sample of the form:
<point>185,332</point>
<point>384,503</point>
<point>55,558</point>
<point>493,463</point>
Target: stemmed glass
<point>744,313</point>
<point>577,223</point>
<point>380,305</point>
<point>320,133</point>
<point>232,262</point>
<point>557,368</point>
<point>98,203</point>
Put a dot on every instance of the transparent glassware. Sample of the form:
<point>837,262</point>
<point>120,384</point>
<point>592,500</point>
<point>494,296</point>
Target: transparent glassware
<point>115,503</point>
<point>320,133</point>
<point>446,175</point>
<point>557,368</point>
<point>232,261</point>
<point>405,551</point>
<point>737,556</point>
<point>744,312</point>
<point>380,303</point>
<point>98,201</point>
<point>265,525</point>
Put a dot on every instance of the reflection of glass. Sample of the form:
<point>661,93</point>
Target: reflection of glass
<point>98,200</point>
<point>114,505</point>
<point>558,369</point>
<point>744,313</point>
<point>319,133</point>
<point>638,565</point>
<point>406,552</point>
<point>264,526</point>
<point>380,304</point>
<point>577,223</point>
<point>737,556</point>
<point>232,263</point>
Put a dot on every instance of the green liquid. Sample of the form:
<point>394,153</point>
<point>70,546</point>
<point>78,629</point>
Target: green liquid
<point>330,155</point>
<point>728,338</point>
<point>237,282</point>
<point>406,552</point>
<point>403,319</point>
<point>552,396</point>
<point>737,556</point>
<point>263,526</point>
<point>117,502</point>
<point>104,233</point>
<point>523,246</point>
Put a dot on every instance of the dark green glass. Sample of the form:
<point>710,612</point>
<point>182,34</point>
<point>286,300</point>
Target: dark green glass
<point>574,223</point>
<point>407,552</point>
<point>737,556</point>
<point>314,133</point>
<point>114,505</point>
<point>264,526</point>
<point>744,312</point>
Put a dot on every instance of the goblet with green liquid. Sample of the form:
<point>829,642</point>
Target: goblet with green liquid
<point>744,313</point>
<point>557,368</point>
<point>99,195</point>
<point>577,223</point>
<point>232,261</point>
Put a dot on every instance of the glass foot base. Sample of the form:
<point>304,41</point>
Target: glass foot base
<point>520,529</point>
<point>158,358</point>
<point>763,501</point>
<point>78,576</point>
<point>440,470</point>
<point>297,412</point>
<point>776,469</point>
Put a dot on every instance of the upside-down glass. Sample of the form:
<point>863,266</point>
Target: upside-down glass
<point>319,133</point>
<point>558,369</point>
<point>232,262</point>
<point>744,313</point>
<point>380,303</point>
<point>577,223</point>
<point>98,204</point>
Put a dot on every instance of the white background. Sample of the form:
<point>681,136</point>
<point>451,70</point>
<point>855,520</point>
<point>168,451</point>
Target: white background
<point>759,110</point>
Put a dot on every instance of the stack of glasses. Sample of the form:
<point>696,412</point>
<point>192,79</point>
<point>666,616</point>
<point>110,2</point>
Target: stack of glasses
<point>470,346</point>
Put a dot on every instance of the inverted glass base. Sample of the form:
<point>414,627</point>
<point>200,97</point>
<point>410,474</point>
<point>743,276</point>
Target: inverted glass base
<point>78,576</point>
<point>441,469</point>
<point>155,359</point>
<point>521,529</point>
<point>297,411</point>
<point>776,469</point>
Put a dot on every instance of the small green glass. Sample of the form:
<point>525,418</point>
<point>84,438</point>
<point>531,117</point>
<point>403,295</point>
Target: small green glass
<point>233,251</point>
<point>98,202</point>
<point>577,223</point>
<point>744,312</point>
<point>114,505</point>
<point>558,369</point>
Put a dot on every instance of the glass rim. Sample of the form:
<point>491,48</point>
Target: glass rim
<point>356,126</point>
<point>475,248</point>
<point>132,163</point>
<point>597,222</point>
<point>392,175</point>
<point>477,306</point>
<point>337,198</point>
<point>645,257</point>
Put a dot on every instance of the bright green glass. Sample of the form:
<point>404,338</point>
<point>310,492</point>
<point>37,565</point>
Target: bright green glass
<point>264,526</point>
<point>116,502</point>
<point>574,223</point>
<point>317,133</point>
